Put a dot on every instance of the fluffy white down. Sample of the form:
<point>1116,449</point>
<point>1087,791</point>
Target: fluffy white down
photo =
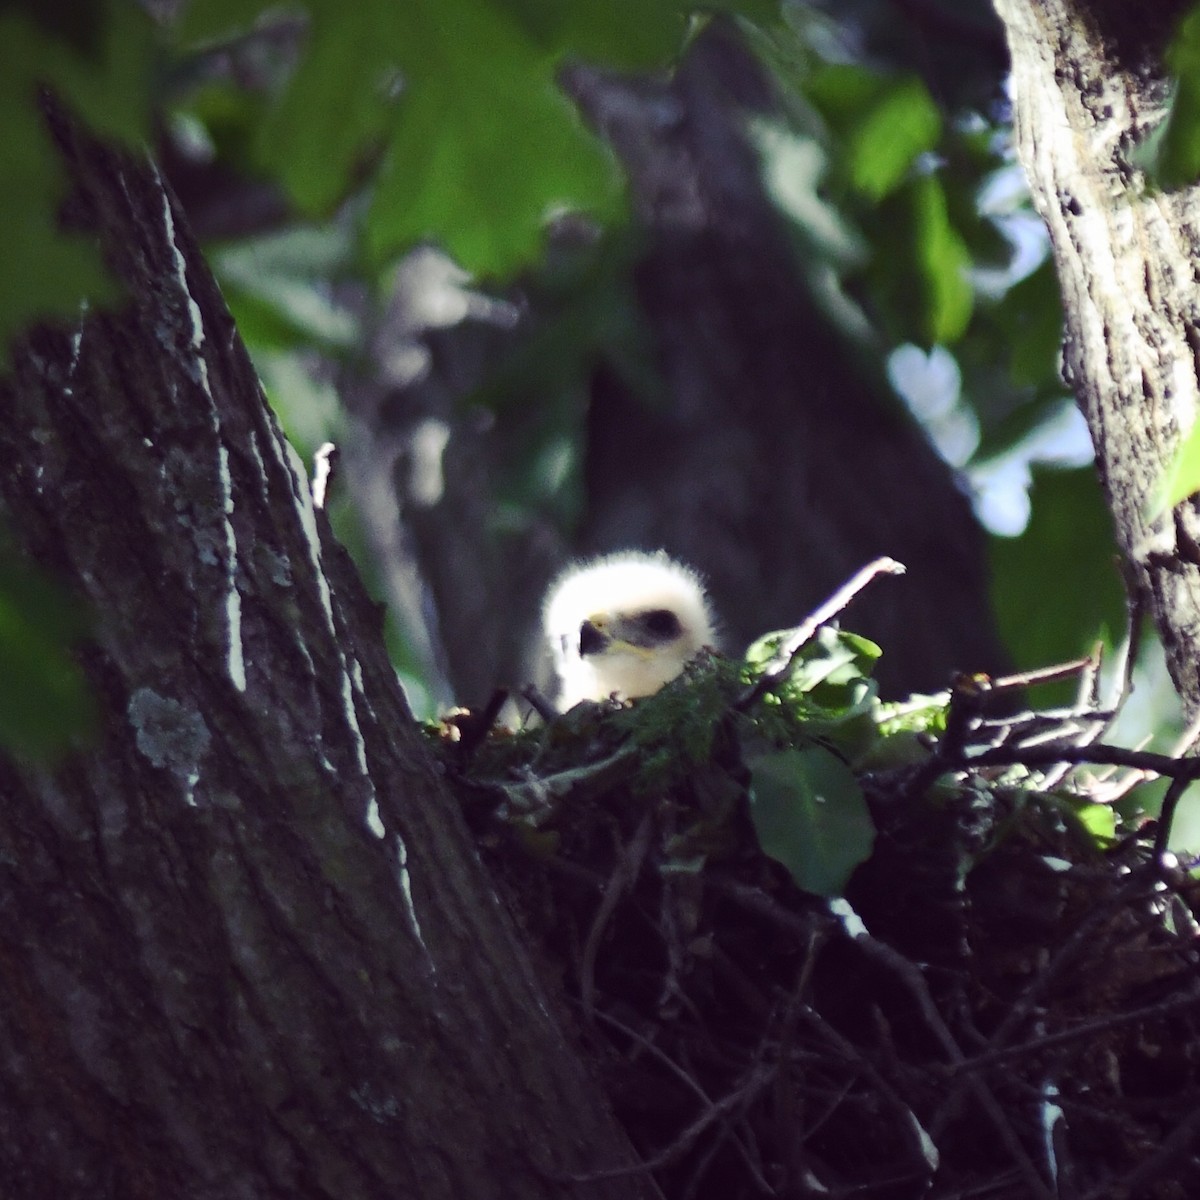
<point>607,590</point>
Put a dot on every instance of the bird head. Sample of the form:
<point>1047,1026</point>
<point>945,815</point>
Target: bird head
<point>624,625</point>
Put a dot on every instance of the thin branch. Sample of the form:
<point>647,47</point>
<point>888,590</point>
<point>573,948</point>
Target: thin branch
<point>741,1097</point>
<point>782,664</point>
<point>1084,1029</point>
<point>628,867</point>
<point>1065,752</point>
<point>1166,815</point>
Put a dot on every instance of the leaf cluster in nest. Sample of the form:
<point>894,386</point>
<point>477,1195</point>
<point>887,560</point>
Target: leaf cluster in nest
<point>820,945</point>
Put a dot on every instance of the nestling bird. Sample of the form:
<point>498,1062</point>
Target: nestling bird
<point>624,624</point>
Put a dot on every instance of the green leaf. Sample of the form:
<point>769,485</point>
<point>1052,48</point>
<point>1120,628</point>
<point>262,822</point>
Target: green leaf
<point>1031,316</point>
<point>943,260</point>
<point>811,816</point>
<point>1100,820</point>
<point>620,33</point>
<point>486,148</point>
<point>1066,553</point>
<point>831,671</point>
<point>44,702</point>
<point>903,124</point>
<point>920,265</point>
<point>457,103</point>
<point>1181,478</point>
<point>48,273</point>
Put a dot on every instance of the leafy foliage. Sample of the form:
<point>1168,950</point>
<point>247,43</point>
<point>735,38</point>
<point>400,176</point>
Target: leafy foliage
<point>681,858</point>
<point>96,58</point>
<point>456,107</point>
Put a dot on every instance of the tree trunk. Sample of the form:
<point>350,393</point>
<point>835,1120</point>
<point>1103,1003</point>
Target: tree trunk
<point>248,949</point>
<point>1089,85</point>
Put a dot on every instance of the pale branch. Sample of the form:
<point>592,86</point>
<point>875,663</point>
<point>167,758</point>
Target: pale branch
<point>781,666</point>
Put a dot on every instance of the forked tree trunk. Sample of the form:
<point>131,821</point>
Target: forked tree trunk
<point>1089,86</point>
<point>247,948</point>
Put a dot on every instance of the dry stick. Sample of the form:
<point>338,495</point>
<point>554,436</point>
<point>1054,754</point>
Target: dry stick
<point>755,901</point>
<point>744,1095</point>
<point>1100,753</point>
<point>1182,771</point>
<point>1135,607</point>
<point>1166,815</point>
<point>1064,1037</point>
<point>1086,709</point>
<point>781,665</point>
<point>539,703</point>
<point>1179,1142</point>
<point>1029,997</point>
<point>623,876</point>
<point>687,1080</point>
<point>1020,680</point>
<point>853,1055</point>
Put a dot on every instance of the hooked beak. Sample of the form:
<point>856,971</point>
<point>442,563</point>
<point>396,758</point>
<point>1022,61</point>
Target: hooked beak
<point>592,640</point>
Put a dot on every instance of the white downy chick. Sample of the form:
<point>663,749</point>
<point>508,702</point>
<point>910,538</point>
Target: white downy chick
<point>624,624</point>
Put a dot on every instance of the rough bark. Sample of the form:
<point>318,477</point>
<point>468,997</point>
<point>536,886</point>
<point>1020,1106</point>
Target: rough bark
<point>1089,85</point>
<point>248,949</point>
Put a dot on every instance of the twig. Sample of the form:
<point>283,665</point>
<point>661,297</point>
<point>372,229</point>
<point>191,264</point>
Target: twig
<point>1127,655</point>
<point>899,965</point>
<point>1065,1037</point>
<point>473,728</point>
<point>741,1097</point>
<point>1166,815</point>
<point>781,665</point>
<point>851,1053</point>
<point>1020,680</point>
<point>629,864</point>
<point>1179,1142</point>
<point>537,796</point>
<point>1100,753</point>
<point>539,703</point>
<point>1023,1006</point>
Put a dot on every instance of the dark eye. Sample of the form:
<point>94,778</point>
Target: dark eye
<point>661,623</point>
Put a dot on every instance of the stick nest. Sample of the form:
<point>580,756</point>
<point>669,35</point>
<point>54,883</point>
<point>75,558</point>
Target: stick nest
<point>818,945</point>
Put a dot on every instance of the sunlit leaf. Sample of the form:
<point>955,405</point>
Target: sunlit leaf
<point>1100,820</point>
<point>943,259</point>
<point>902,125</point>
<point>810,815</point>
<point>485,148</point>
